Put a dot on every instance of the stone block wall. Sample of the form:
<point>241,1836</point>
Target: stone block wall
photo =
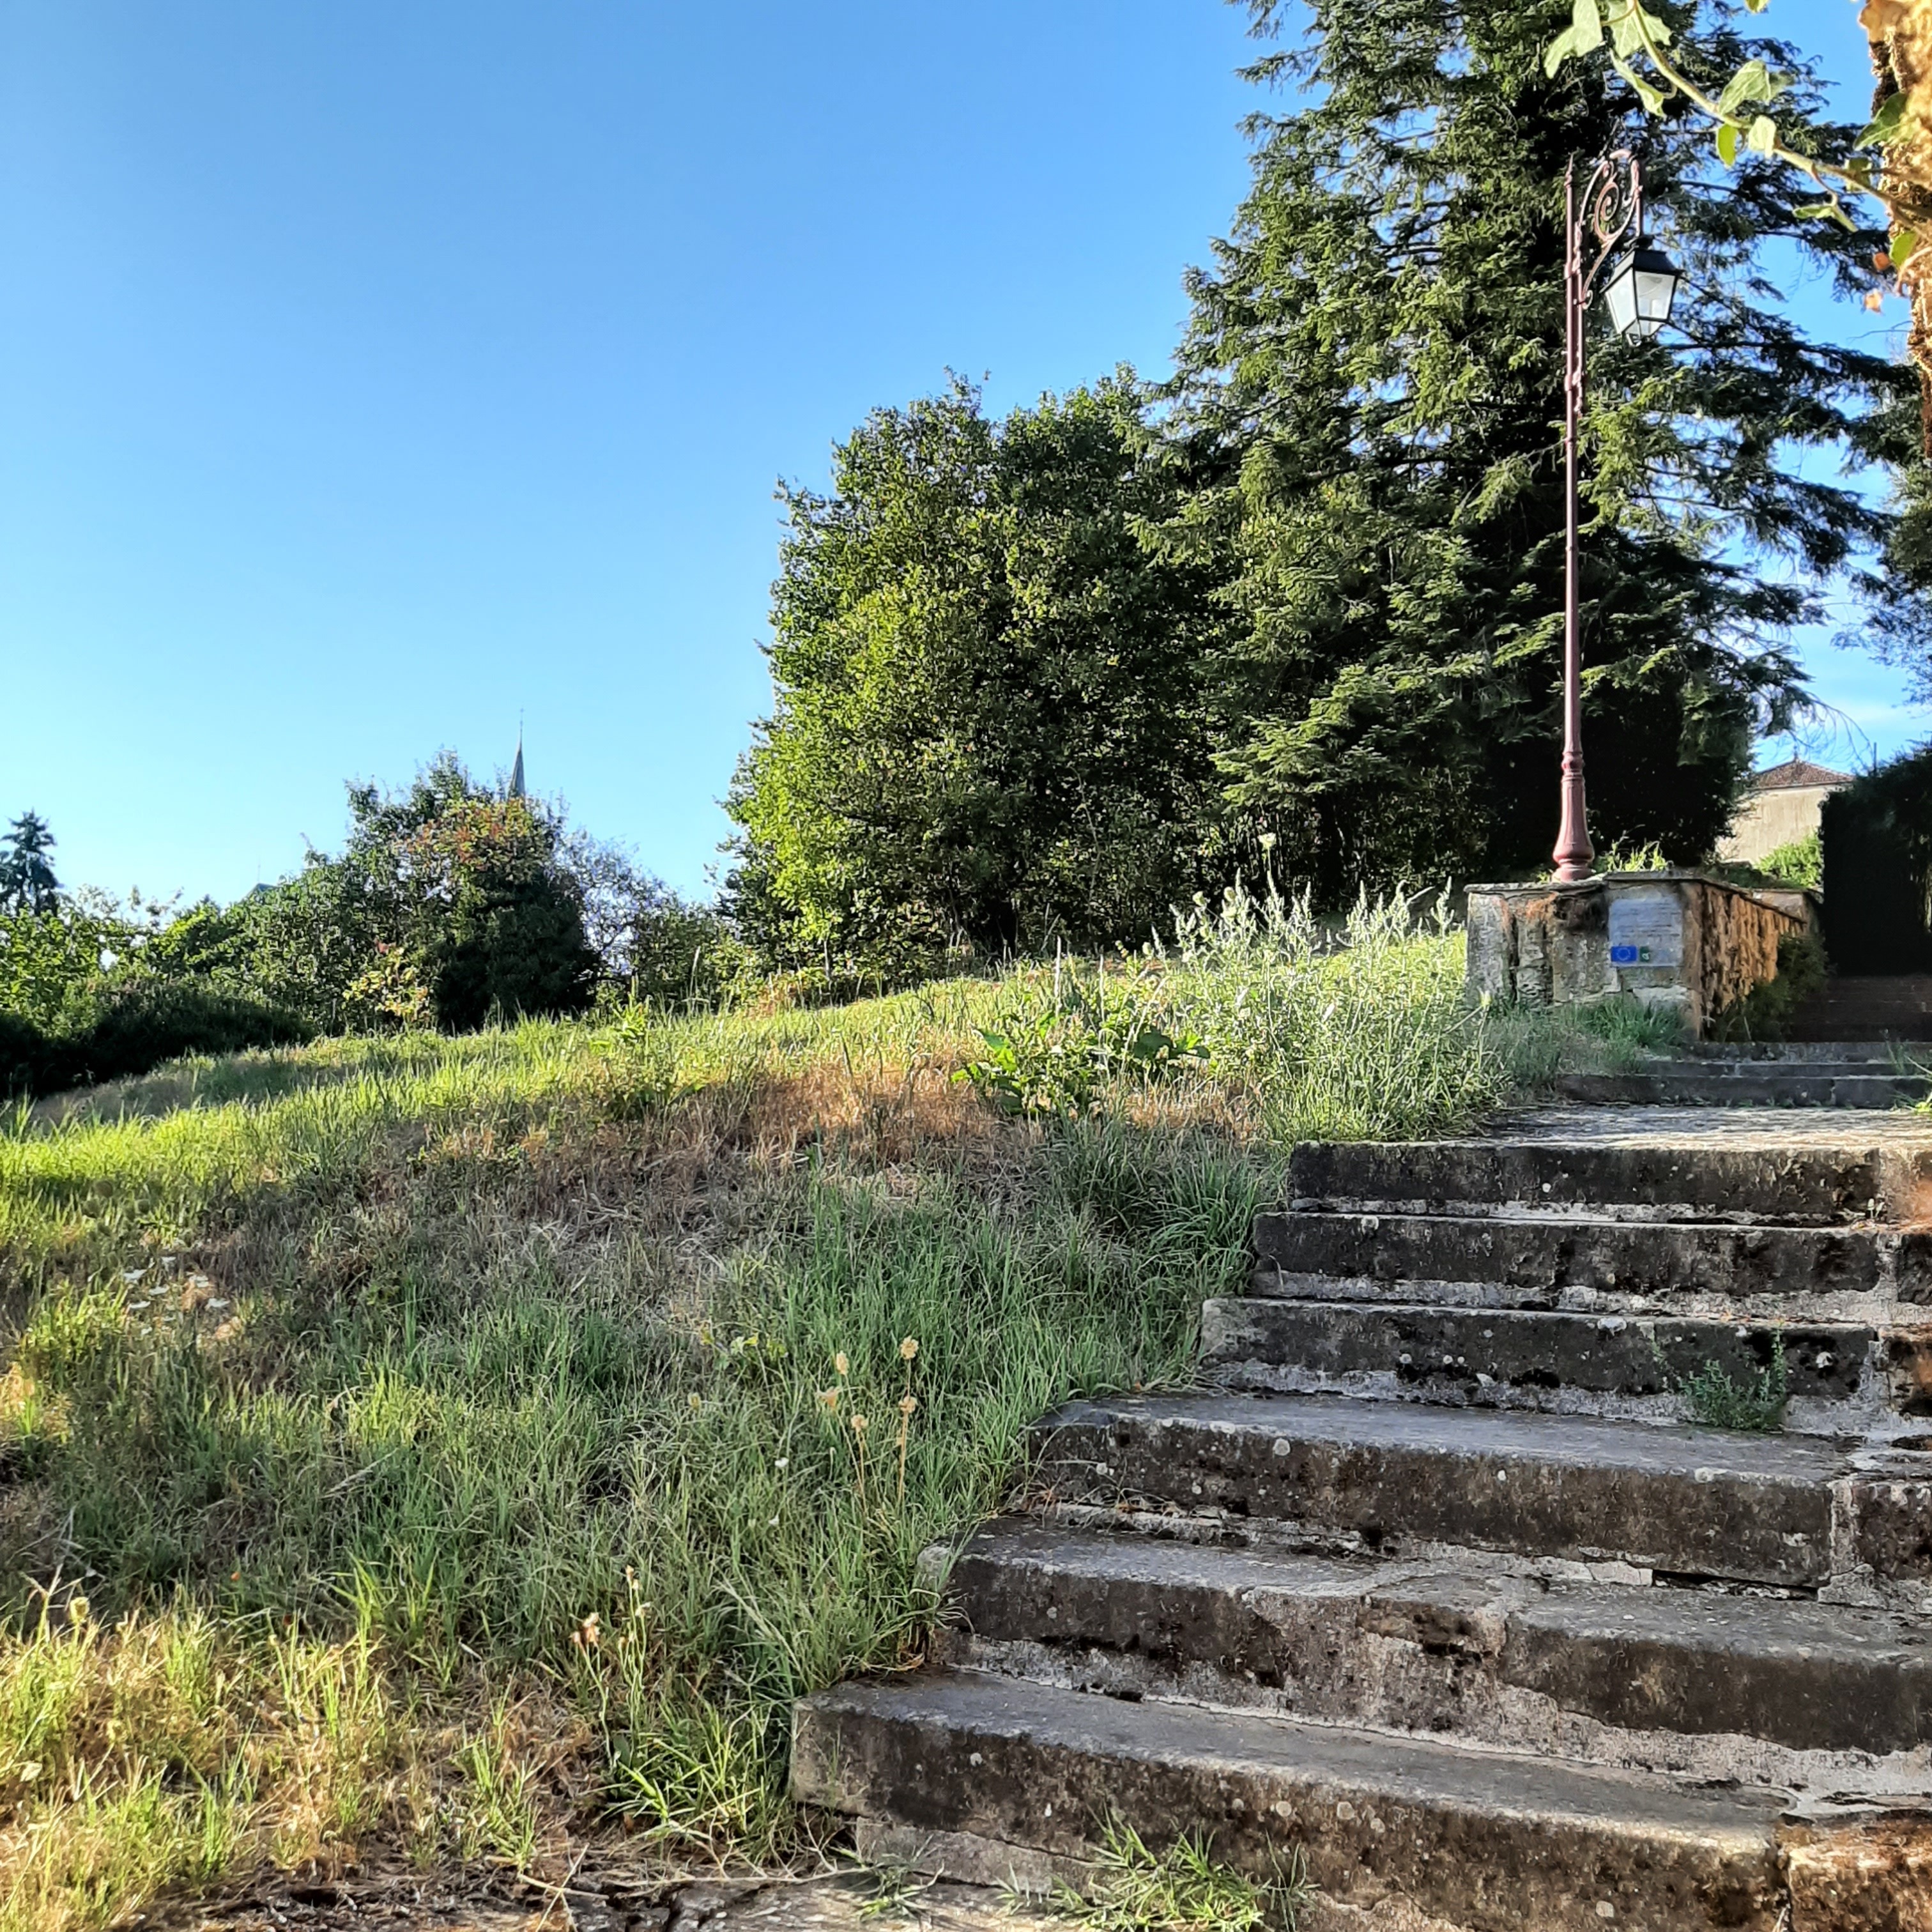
<point>1672,939</point>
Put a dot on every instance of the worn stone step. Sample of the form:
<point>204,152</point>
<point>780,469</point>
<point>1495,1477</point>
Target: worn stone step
<point>1665,1165</point>
<point>1697,1084</point>
<point>976,1768</point>
<point>1521,1358</point>
<point>1395,1477</point>
<point>1537,1256</point>
<point>1865,1007</point>
<point>1883,1056</point>
<point>1494,1657</point>
<point>1741,1068</point>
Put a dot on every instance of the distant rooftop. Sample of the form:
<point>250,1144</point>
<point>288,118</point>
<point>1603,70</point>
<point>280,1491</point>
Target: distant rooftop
<point>1795,773</point>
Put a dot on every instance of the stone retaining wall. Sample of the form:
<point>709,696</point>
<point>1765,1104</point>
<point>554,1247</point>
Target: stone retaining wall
<point>1671,939</point>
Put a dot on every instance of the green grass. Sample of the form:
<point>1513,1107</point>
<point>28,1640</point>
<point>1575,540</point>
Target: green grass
<point>1182,1888</point>
<point>469,1444</point>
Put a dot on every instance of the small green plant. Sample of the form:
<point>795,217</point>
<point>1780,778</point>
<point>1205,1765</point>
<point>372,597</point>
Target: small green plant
<point>1060,1059</point>
<point>1621,858</point>
<point>893,1890</point>
<point>1715,1400</point>
<point>1182,1889</point>
<point>1629,1029</point>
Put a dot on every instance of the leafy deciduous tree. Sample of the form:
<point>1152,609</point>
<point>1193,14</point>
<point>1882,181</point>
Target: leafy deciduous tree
<point>989,719</point>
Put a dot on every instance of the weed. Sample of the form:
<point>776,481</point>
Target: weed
<point>1062,1058</point>
<point>1715,1399</point>
<point>1360,1033</point>
<point>1623,858</point>
<point>1182,1889</point>
<point>893,1891</point>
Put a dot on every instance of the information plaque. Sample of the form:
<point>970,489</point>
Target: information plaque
<point>1646,929</point>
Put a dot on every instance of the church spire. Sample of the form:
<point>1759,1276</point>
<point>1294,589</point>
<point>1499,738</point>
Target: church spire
<point>517,769</point>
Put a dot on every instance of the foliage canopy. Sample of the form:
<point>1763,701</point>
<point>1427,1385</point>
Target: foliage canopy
<point>990,718</point>
<point>1050,675</point>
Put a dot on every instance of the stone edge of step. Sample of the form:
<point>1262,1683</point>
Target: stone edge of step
<point>1782,1511</point>
<point>1376,1815</point>
<point>1682,1663</point>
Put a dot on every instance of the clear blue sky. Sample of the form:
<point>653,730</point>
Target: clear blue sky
<point>370,374</point>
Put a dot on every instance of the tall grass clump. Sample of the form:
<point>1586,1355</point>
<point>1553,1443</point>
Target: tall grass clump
<point>1358,1032</point>
<point>1263,1014</point>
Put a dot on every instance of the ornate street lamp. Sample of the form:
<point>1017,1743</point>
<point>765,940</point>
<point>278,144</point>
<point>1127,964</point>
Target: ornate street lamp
<point>1642,284</point>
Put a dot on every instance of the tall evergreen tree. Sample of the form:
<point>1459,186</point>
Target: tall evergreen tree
<point>27,880</point>
<point>1370,401</point>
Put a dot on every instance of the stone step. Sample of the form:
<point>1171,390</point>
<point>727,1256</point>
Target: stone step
<point>1664,1165</point>
<point>1397,1478</point>
<point>1883,1056</point>
<point>1854,1028</point>
<point>1696,1083</point>
<point>1512,1357</point>
<point>1535,1256</point>
<point>971,1773</point>
<point>1494,1658</point>
<point>1825,1064</point>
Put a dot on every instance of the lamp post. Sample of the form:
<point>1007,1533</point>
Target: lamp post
<point>1642,284</point>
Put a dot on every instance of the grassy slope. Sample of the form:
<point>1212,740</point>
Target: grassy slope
<point>463,1442</point>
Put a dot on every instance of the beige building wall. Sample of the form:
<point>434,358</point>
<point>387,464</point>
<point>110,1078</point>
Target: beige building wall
<point>1769,819</point>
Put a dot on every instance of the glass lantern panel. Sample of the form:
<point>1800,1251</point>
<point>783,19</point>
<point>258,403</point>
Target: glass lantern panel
<point>1654,291</point>
<point>1620,297</point>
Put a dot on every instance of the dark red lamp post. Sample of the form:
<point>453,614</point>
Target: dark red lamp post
<point>1638,293</point>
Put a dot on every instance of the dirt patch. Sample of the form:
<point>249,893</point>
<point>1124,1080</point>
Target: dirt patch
<point>402,1901</point>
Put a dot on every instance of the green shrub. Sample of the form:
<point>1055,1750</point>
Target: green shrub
<point>25,1054</point>
<point>1765,1012</point>
<point>51,957</point>
<point>117,1032</point>
<point>139,1025</point>
<point>1800,863</point>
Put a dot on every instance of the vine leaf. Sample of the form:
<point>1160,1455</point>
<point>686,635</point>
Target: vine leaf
<point>1583,35</point>
<point>1651,98</point>
<point>1752,82</point>
<point>1885,125</point>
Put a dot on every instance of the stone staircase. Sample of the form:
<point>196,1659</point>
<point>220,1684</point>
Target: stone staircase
<point>1436,1588</point>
